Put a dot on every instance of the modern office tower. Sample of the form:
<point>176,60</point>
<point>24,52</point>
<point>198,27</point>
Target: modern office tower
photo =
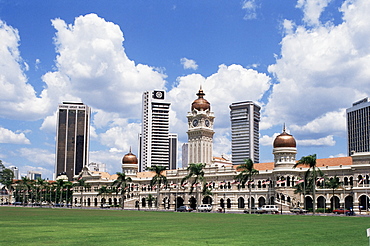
<point>200,131</point>
<point>172,138</point>
<point>72,142</point>
<point>358,126</point>
<point>154,147</point>
<point>245,118</point>
<point>15,171</point>
<point>185,155</point>
<point>33,175</point>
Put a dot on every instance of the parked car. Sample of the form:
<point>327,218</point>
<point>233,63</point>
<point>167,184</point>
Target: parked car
<point>44,203</point>
<point>270,209</point>
<point>17,203</point>
<point>105,205</point>
<point>204,208</point>
<point>78,205</point>
<point>254,210</point>
<point>340,211</point>
<point>298,210</point>
<point>184,209</point>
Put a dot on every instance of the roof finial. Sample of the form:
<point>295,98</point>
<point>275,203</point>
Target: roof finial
<point>284,127</point>
<point>130,149</point>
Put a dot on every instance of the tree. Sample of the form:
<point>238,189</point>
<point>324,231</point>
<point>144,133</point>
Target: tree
<point>313,172</point>
<point>122,183</point>
<point>6,178</point>
<point>246,173</point>
<point>333,183</point>
<point>158,179</point>
<point>196,174</point>
<point>83,185</point>
<point>25,185</point>
<point>103,191</point>
<point>150,200</point>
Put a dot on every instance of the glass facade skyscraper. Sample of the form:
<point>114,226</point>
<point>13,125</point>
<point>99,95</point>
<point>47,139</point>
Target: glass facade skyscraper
<point>72,138</point>
<point>245,118</point>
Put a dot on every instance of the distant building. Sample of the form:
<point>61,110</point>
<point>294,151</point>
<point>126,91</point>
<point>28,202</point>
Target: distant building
<point>154,140</point>
<point>245,118</point>
<point>172,138</point>
<point>185,157</point>
<point>33,175</point>
<point>97,167</point>
<point>358,126</point>
<point>72,142</point>
<point>15,171</point>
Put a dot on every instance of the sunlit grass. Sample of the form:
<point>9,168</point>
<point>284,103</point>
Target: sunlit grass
<point>46,226</point>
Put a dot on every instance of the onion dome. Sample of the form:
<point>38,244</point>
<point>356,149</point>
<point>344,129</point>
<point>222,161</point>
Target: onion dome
<point>284,140</point>
<point>201,103</point>
<point>129,158</point>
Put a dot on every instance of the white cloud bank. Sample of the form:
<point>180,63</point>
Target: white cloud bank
<point>189,64</point>
<point>8,136</point>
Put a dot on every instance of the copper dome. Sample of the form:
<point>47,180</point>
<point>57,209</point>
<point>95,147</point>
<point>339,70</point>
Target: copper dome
<point>284,140</point>
<point>129,159</point>
<point>200,103</point>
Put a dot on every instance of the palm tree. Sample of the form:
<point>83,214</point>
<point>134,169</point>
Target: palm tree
<point>40,185</point>
<point>196,173</point>
<point>158,179</point>
<point>103,191</point>
<point>122,183</point>
<point>246,173</point>
<point>25,184</point>
<point>83,185</point>
<point>313,170</point>
<point>333,183</point>
<point>150,200</point>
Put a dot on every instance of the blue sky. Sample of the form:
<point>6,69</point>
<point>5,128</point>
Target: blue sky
<point>303,61</point>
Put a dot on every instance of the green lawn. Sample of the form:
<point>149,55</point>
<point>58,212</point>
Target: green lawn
<point>46,226</point>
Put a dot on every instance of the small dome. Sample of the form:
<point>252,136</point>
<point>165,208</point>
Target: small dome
<point>129,159</point>
<point>200,103</point>
<point>284,140</point>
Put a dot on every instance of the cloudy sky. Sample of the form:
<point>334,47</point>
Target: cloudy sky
<point>303,61</point>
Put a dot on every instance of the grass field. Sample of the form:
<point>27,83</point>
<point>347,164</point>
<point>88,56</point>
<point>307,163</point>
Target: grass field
<point>47,226</point>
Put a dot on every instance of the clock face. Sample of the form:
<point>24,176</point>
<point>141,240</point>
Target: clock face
<point>207,123</point>
<point>195,122</point>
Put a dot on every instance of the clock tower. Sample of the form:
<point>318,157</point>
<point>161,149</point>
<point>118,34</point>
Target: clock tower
<point>200,130</point>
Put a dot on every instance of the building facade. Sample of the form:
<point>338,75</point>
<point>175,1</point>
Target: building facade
<point>200,131</point>
<point>173,143</point>
<point>245,118</point>
<point>154,145</point>
<point>72,143</point>
<point>358,127</point>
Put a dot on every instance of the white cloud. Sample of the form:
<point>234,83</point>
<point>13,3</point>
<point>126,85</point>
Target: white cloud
<point>250,7</point>
<point>338,155</point>
<point>8,136</point>
<point>49,124</point>
<point>17,98</point>
<point>93,66</point>
<point>189,64</point>
<point>325,141</point>
<point>229,84</point>
<point>266,140</point>
<point>38,156</point>
<point>319,70</point>
<point>312,10</point>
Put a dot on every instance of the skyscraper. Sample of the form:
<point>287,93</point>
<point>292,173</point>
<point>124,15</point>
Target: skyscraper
<point>154,138</point>
<point>358,126</point>
<point>72,142</point>
<point>245,118</point>
<point>172,138</point>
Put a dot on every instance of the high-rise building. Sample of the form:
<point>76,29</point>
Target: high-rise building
<point>172,138</point>
<point>15,171</point>
<point>33,175</point>
<point>185,155</point>
<point>154,146</point>
<point>245,118</point>
<point>200,131</point>
<point>358,126</point>
<point>72,142</point>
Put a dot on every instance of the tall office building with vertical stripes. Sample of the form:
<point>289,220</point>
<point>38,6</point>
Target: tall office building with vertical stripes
<point>358,126</point>
<point>245,118</point>
<point>155,140</point>
<point>72,143</point>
